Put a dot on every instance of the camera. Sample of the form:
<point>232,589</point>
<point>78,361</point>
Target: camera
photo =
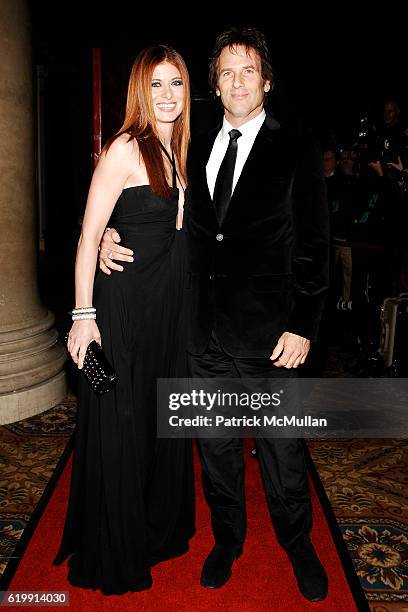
<point>371,147</point>
<point>389,152</point>
<point>367,141</point>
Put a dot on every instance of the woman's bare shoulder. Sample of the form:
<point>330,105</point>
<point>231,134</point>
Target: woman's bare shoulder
<point>127,142</point>
<point>122,158</point>
<point>123,148</point>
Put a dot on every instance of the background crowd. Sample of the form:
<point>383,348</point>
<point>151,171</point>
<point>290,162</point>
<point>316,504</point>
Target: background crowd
<point>366,174</point>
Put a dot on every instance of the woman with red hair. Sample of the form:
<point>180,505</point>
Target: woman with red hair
<point>131,502</point>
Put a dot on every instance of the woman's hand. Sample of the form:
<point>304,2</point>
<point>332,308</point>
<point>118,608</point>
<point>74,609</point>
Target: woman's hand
<point>81,334</point>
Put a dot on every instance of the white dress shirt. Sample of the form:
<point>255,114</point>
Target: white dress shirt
<point>249,132</point>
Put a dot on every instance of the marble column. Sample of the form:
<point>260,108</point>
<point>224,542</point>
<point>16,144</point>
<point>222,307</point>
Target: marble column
<point>31,359</point>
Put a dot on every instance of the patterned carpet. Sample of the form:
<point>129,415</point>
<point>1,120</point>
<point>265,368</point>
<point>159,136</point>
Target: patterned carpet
<point>364,480</point>
<point>30,452</point>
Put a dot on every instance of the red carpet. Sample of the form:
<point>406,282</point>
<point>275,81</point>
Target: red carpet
<point>262,578</point>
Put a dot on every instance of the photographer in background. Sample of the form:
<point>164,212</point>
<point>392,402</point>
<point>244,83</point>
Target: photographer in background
<point>393,136</point>
<point>341,190</point>
<point>374,250</point>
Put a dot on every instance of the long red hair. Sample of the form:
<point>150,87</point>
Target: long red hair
<point>140,121</point>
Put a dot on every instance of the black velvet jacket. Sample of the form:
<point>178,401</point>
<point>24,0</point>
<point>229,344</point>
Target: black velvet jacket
<point>266,269</point>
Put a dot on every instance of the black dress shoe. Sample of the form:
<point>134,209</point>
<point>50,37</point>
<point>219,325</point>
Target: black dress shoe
<point>217,566</point>
<point>309,572</point>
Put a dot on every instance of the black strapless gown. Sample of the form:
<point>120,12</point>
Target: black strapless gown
<point>131,500</point>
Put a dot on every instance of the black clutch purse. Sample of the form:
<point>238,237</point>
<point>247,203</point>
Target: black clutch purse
<point>97,369</point>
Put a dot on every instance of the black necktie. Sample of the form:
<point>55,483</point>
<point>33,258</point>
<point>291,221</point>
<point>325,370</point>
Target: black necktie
<point>223,184</point>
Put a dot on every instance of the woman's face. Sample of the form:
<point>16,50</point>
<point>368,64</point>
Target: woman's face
<point>167,92</point>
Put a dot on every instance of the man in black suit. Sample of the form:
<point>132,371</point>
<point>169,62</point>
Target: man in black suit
<point>257,226</point>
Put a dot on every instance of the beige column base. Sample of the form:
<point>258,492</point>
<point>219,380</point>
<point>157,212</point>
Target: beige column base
<point>28,402</point>
<point>31,363</point>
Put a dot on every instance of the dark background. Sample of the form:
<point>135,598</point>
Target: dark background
<point>331,65</point>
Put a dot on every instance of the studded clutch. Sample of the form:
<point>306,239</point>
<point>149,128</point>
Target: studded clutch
<point>97,369</point>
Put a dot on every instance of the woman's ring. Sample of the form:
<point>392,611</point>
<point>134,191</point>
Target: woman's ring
<point>110,255</point>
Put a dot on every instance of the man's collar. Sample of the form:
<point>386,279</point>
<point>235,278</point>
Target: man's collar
<point>250,127</point>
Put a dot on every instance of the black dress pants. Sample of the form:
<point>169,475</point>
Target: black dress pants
<point>282,463</point>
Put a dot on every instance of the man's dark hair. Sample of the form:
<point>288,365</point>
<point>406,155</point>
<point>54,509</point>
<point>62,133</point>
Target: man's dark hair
<point>248,37</point>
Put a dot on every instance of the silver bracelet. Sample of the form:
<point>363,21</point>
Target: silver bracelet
<point>85,315</point>
<point>83,309</point>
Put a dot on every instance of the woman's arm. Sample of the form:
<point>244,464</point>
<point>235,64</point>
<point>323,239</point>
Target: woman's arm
<point>109,177</point>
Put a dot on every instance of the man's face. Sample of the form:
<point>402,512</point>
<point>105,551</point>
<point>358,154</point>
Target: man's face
<point>240,84</point>
<point>390,113</point>
<point>347,161</point>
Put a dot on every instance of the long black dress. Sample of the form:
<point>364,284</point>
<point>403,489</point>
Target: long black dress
<point>131,500</point>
